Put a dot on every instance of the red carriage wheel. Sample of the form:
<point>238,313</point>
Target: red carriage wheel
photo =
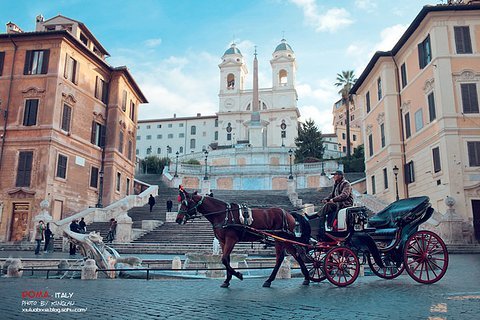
<point>314,263</point>
<point>341,266</point>
<point>391,269</point>
<point>426,257</point>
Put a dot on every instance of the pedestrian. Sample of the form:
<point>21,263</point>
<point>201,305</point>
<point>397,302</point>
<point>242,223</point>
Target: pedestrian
<point>73,228</point>
<point>82,226</point>
<point>151,202</point>
<point>169,205</point>
<point>112,231</point>
<point>341,197</point>
<point>48,239</point>
<point>39,230</point>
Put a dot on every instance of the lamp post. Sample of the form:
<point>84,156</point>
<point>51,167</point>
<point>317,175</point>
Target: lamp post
<point>176,164</point>
<point>206,158</point>
<point>323,170</point>
<point>395,172</point>
<point>290,153</point>
<point>100,190</point>
<point>149,150</point>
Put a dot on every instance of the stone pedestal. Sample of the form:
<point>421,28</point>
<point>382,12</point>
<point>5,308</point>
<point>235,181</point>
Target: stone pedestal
<point>176,263</point>
<point>124,228</point>
<point>13,269</point>
<point>42,216</point>
<point>171,216</point>
<point>205,187</point>
<point>89,270</point>
<point>291,187</point>
<point>451,225</point>
<point>285,271</point>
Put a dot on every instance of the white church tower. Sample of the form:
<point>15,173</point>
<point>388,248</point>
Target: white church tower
<point>258,117</point>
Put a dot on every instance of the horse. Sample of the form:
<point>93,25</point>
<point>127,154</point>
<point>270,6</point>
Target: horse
<point>225,220</point>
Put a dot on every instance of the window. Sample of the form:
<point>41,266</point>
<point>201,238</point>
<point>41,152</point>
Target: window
<point>204,134</point>
<point>215,135</point>
<point>385,178</point>
<point>159,150</point>
<point>137,152</point>
<point>149,126</point>
<point>127,191</point>
<point>431,107</point>
<point>130,149</point>
<point>149,150</point>
<point>409,173</point>
<point>230,81</point>
<point>66,118</point>
<point>343,136</point>
<point>24,169</point>
<point>159,136</point>
<point>193,130</point>
<point>94,177</point>
<point>382,134</point>
<point>367,101</point>
<point>229,136</point>
<point>374,189</point>
<point>101,90</point>
<point>437,167</point>
<point>132,110</point>
<point>408,131</point>
<point>170,125</point>
<point>370,145</point>
<point>159,126</point>
<point>30,113</point>
<point>192,143</point>
<point>71,70</point>
<point>170,136</point>
<point>139,138</point>
<point>120,142</point>
<point>283,134</point>
<point>418,120</point>
<point>354,137</point>
<point>403,72</point>
<point>149,137</point>
<point>424,52</point>
<point>379,88</point>
<point>169,149</point>
<point>469,97</point>
<point>180,150</point>
<point>282,78</point>
<point>98,134</point>
<point>36,62</point>
<point>61,166</point>
<point>473,153</point>
<point>124,101</point>
<point>2,59</point>
<point>181,135</point>
<point>344,148</point>
<point>180,125</point>
<point>216,123</point>
<point>119,180</point>
<point>463,43</point>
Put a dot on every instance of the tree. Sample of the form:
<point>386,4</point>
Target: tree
<point>154,164</point>
<point>309,142</point>
<point>346,81</point>
<point>355,163</point>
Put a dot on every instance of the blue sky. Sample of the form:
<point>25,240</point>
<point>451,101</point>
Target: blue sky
<point>173,47</point>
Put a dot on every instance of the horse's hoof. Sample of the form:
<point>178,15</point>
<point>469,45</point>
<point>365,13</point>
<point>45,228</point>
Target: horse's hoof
<point>266,284</point>
<point>306,282</point>
<point>239,275</point>
<point>224,285</point>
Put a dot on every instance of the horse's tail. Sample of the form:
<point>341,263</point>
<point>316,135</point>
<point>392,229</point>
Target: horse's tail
<point>303,227</point>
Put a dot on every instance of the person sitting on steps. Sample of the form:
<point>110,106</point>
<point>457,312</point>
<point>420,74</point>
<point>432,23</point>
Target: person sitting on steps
<point>341,197</point>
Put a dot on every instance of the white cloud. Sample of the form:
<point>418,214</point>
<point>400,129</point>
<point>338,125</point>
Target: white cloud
<point>368,5</point>
<point>332,20</point>
<point>152,43</point>
<point>389,37</point>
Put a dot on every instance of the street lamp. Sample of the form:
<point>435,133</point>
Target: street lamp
<point>290,153</point>
<point>100,190</point>
<point>206,158</point>
<point>395,172</point>
<point>176,164</point>
<point>323,170</point>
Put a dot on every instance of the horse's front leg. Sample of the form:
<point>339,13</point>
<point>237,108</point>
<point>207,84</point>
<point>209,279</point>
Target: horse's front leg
<point>227,250</point>
<point>280,255</point>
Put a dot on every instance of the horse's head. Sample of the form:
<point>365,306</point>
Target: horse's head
<point>188,207</point>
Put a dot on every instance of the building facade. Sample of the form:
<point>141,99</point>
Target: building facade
<point>68,127</point>
<point>421,113</point>
<point>340,126</point>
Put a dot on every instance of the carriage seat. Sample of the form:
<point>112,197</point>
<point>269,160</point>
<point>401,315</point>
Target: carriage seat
<point>391,215</point>
<point>342,220</point>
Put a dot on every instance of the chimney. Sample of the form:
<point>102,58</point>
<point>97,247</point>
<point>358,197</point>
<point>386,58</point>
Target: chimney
<point>13,28</point>
<point>199,115</point>
<point>39,22</point>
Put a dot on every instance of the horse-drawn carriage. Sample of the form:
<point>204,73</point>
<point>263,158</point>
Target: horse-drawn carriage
<point>388,241</point>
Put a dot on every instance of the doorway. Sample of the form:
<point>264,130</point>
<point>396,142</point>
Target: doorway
<point>476,218</point>
<point>19,226</point>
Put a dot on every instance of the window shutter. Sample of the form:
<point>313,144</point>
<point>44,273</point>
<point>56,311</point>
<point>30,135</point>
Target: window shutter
<point>436,160</point>
<point>406,169</point>
<point>24,169</point>
<point>124,101</point>
<point>67,114</point>
<point>46,58</point>
<point>94,132</point>
<point>2,58</point>
<point>103,130</point>
<point>469,97</point>
<point>28,62</point>
<point>105,92</point>
<point>96,87</point>
<point>466,40</point>
<point>65,70</point>
<point>421,56</point>
<point>76,71</point>
<point>459,42</point>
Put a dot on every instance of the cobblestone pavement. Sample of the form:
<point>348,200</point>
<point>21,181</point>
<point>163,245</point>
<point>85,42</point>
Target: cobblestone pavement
<point>456,296</point>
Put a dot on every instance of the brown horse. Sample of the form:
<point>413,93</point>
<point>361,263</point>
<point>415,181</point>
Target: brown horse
<point>228,230</point>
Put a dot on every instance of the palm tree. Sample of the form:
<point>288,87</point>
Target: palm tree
<point>345,80</point>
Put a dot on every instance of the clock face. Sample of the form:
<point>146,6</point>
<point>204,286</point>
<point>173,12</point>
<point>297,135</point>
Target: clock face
<point>229,103</point>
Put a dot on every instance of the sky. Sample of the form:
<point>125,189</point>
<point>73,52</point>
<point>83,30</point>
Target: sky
<point>173,47</point>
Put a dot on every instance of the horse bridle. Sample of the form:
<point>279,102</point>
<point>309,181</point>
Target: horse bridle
<point>188,215</point>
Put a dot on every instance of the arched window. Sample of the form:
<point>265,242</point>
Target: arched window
<point>181,150</point>
<point>192,143</point>
<point>230,81</point>
<point>193,130</point>
<point>282,77</point>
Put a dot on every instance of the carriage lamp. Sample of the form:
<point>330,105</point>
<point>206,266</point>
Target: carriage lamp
<point>290,153</point>
<point>206,158</point>
<point>176,164</point>
<point>395,172</point>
